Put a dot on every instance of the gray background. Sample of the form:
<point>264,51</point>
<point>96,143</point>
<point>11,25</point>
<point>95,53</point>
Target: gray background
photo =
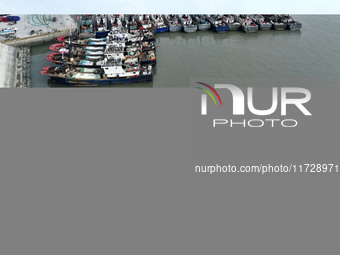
<point>110,171</point>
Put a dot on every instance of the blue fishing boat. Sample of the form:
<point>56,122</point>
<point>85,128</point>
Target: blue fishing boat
<point>218,24</point>
<point>159,23</point>
<point>102,26</point>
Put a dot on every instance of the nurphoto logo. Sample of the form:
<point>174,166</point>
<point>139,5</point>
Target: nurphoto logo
<point>288,96</point>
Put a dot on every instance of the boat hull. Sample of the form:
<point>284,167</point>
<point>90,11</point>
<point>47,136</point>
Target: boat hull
<point>204,27</point>
<point>162,29</point>
<point>101,82</point>
<point>175,28</point>
<point>249,29</point>
<point>102,34</point>
<point>264,26</point>
<point>149,62</point>
<point>221,29</point>
<point>234,27</point>
<point>190,29</point>
<point>294,26</point>
<point>279,27</point>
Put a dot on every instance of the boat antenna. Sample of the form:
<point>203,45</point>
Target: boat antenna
<point>63,63</point>
<point>69,44</point>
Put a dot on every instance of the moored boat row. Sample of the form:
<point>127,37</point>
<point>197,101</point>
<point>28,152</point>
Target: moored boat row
<point>220,23</point>
<point>120,57</point>
<point>122,48</point>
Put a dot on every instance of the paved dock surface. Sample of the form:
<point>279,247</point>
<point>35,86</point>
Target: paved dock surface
<point>33,24</point>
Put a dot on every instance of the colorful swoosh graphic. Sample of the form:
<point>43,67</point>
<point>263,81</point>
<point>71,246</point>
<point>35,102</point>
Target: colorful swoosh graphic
<point>209,93</point>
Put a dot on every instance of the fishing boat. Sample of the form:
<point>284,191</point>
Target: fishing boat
<point>122,37</point>
<point>233,24</point>
<point>189,25</point>
<point>147,46</point>
<point>86,20</point>
<point>247,24</point>
<point>295,25</point>
<point>276,22</point>
<point>218,24</point>
<point>202,22</point>
<point>173,22</point>
<point>119,52</point>
<point>82,56</point>
<point>109,74</point>
<point>143,41</point>
<point>68,39</point>
<point>57,57</point>
<point>136,36</point>
<point>76,48</point>
<point>102,26</point>
<point>148,58</point>
<point>117,23</point>
<point>145,23</point>
<point>261,22</point>
<point>89,61</point>
<point>130,23</point>
<point>86,24</point>
<point>131,55</point>
<point>291,24</point>
<point>159,23</point>
<point>59,47</point>
<point>148,37</point>
<point>95,42</point>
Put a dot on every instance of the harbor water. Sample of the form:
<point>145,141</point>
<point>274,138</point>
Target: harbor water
<point>312,53</point>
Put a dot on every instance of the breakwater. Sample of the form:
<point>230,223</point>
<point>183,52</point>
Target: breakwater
<point>15,59</point>
<point>15,66</point>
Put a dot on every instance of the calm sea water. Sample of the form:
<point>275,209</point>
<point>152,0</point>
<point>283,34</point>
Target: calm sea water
<point>312,53</point>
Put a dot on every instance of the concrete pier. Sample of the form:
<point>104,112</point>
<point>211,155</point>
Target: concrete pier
<point>14,66</point>
<point>37,39</point>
